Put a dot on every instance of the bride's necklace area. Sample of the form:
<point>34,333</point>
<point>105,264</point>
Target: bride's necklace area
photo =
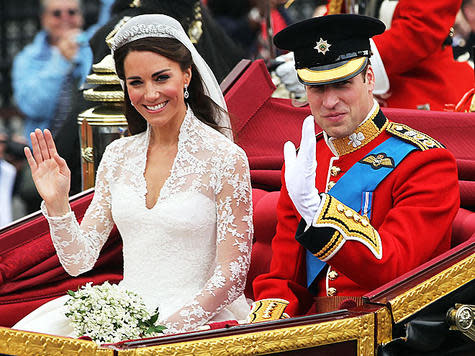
<point>157,170</point>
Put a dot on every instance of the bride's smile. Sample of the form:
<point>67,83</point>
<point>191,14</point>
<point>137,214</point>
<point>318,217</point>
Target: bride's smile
<point>157,89</point>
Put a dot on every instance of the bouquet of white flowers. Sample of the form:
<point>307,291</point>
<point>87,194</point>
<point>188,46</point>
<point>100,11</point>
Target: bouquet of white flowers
<point>108,313</point>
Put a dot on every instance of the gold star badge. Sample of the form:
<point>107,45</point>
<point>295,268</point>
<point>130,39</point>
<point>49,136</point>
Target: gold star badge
<point>322,46</point>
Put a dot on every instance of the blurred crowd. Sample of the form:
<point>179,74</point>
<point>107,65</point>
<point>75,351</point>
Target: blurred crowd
<point>433,66</point>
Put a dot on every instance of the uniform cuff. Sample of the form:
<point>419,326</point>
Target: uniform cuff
<point>333,225</point>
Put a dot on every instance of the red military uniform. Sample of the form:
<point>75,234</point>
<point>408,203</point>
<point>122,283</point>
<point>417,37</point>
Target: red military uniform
<point>420,69</point>
<point>412,212</point>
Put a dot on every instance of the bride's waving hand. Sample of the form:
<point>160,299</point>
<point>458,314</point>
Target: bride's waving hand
<point>50,172</point>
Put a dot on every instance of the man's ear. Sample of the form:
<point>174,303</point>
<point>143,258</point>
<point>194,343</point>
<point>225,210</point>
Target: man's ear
<point>370,78</point>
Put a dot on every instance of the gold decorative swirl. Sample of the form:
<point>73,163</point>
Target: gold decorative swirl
<point>433,289</point>
<point>359,328</point>
<point>92,95</point>
<point>17,342</point>
<point>103,79</point>
<point>384,326</point>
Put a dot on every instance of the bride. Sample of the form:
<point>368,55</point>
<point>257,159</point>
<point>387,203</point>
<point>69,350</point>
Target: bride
<point>178,189</point>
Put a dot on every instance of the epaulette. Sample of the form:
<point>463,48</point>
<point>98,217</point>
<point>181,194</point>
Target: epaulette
<point>417,138</point>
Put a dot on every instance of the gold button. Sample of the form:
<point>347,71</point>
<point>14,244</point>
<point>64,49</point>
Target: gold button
<point>331,292</point>
<point>348,213</point>
<point>429,143</point>
<point>332,275</point>
<point>340,207</point>
<point>356,217</point>
<point>334,171</point>
<point>364,222</point>
<point>330,185</point>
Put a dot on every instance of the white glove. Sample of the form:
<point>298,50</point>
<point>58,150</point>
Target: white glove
<point>300,172</point>
<point>288,75</point>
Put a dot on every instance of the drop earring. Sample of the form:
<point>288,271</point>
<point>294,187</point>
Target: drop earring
<point>186,94</point>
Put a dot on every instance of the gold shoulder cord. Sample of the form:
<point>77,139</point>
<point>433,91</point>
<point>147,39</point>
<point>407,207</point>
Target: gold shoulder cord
<point>419,139</point>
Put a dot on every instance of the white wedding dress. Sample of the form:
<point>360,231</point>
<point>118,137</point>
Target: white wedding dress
<point>189,254</point>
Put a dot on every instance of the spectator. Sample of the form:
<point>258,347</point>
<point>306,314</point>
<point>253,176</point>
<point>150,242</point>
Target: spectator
<point>46,72</point>
<point>413,60</point>
<point>58,58</point>
<point>237,20</point>
<point>464,37</point>
<point>11,160</point>
<point>245,21</point>
<point>7,179</point>
<point>417,59</point>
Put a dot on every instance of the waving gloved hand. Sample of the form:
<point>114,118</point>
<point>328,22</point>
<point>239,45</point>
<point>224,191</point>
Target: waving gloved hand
<point>300,172</point>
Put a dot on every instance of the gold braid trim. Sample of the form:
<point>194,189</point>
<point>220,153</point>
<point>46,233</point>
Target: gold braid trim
<point>334,7</point>
<point>419,139</point>
<point>349,223</point>
<point>368,131</point>
<point>267,309</point>
<point>330,247</point>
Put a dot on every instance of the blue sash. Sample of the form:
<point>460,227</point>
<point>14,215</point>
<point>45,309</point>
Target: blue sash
<point>357,185</point>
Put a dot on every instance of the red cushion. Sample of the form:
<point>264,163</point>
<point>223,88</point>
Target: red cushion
<point>463,227</point>
<point>30,272</point>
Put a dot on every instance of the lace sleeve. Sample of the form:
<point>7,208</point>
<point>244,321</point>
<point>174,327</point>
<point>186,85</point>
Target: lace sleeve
<point>78,246</point>
<point>231,184</point>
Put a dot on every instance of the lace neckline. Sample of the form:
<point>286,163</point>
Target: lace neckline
<point>164,191</point>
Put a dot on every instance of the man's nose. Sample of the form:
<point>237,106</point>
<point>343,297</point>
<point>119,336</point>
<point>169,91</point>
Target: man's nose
<point>330,98</point>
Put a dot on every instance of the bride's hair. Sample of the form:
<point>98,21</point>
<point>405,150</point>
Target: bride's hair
<point>205,109</point>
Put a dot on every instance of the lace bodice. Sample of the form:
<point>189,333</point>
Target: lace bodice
<point>190,253</point>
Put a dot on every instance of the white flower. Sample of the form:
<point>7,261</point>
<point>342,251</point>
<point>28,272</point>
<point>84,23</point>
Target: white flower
<point>109,313</point>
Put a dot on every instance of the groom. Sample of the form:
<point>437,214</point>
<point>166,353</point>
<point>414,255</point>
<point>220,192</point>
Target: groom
<point>362,202</point>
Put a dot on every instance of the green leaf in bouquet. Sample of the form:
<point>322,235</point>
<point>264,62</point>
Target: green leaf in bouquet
<point>154,318</point>
<point>155,329</point>
<point>72,293</point>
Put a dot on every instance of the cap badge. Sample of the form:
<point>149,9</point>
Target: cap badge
<point>322,46</point>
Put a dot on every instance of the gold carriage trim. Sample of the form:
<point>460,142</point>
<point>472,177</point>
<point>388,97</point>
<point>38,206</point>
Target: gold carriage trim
<point>359,329</point>
<point>419,139</point>
<point>432,289</point>
<point>19,342</point>
<point>350,224</point>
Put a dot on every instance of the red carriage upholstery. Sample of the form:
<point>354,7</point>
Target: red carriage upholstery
<point>30,273</point>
